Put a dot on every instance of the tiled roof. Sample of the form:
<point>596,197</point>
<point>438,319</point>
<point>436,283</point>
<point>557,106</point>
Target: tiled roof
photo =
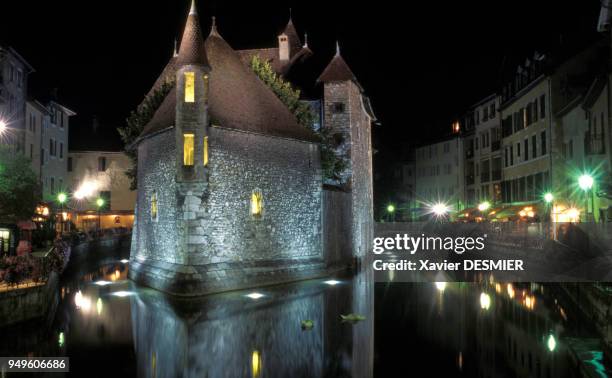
<point>337,70</point>
<point>238,99</point>
<point>191,50</point>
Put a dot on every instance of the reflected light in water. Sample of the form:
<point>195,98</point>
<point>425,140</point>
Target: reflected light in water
<point>441,286</point>
<point>102,283</point>
<point>255,295</point>
<point>60,339</point>
<point>485,301</point>
<point>82,302</point>
<point>122,293</point>
<point>256,364</point>
<point>551,343</point>
<point>99,306</point>
<point>510,289</point>
<point>331,282</point>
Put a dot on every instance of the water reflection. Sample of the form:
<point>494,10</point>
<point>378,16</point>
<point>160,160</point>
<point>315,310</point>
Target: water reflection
<point>492,329</point>
<point>234,335</point>
<point>484,330</point>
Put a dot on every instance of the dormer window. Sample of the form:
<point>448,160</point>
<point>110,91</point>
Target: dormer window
<point>189,86</point>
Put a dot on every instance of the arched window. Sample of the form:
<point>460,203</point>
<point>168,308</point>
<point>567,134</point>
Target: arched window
<point>256,203</point>
<point>154,210</point>
<point>189,86</point>
<point>188,149</point>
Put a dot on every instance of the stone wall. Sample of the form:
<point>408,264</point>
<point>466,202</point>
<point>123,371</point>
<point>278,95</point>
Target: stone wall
<point>38,302</point>
<point>354,125</point>
<point>205,238</point>
<point>337,219</point>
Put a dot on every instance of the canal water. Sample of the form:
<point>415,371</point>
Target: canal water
<point>108,326</point>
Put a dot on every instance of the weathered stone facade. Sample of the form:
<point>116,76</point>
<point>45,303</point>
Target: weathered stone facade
<point>346,114</point>
<point>204,237</point>
<point>230,185</point>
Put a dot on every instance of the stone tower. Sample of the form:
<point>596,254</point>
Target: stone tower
<point>347,112</point>
<point>192,76</point>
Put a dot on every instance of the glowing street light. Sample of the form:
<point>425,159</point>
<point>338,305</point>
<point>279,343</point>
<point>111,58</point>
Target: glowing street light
<point>440,209</point>
<point>100,202</point>
<point>441,286</point>
<point>390,208</point>
<point>3,127</point>
<point>585,182</point>
<point>62,197</point>
<point>549,197</point>
<point>484,206</point>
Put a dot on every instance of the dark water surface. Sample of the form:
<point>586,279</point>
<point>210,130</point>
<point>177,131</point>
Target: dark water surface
<point>110,327</point>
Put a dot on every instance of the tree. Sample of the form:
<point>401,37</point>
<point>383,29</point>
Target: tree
<point>332,163</point>
<point>19,187</point>
<point>136,122</point>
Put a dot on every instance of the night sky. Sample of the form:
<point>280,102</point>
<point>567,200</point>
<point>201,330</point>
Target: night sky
<point>421,66</point>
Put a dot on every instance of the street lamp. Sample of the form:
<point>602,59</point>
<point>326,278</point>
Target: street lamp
<point>585,181</point>
<point>62,198</point>
<point>439,209</point>
<point>548,198</point>
<point>391,210</point>
<point>99,203</point>
<point>3,127</point>
<point>484,206</point>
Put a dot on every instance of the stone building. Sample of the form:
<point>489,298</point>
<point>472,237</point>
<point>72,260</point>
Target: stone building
<point>230,187</point>
<point>45,143</point>
<point>439,174</point>
<point>93,174</point>
<point>14,72</point>
<point>481,134</point>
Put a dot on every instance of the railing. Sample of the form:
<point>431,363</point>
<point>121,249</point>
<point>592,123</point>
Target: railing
<point>594,145</point>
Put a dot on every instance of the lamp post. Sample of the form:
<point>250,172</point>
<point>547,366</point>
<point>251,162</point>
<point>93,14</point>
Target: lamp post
<point>391,211</point>
<point>548,199</point>
<point>61,199</point>
<point>99,203</point>
<point>585,182</point>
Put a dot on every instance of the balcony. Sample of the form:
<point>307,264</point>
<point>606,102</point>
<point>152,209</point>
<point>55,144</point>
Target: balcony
<point>594,145</point>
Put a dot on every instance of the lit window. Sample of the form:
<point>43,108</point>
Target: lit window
<point>256,203</point>
<point>189,86</point>
<point>154,206</point>
<point>188,147</point>
<point>205,151</point>
<point>205,87</point>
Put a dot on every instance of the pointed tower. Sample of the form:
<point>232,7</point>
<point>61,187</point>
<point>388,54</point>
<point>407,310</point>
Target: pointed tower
<point>348,115</point>
<point>192,77</point>
<point>288,42</point>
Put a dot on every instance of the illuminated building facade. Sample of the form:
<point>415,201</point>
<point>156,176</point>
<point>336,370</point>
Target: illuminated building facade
<point>230,187</point>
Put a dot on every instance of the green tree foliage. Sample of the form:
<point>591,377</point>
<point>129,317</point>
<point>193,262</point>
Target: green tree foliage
<point>19,187</point>
<point>331,162</point>
<point>136,122</point>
